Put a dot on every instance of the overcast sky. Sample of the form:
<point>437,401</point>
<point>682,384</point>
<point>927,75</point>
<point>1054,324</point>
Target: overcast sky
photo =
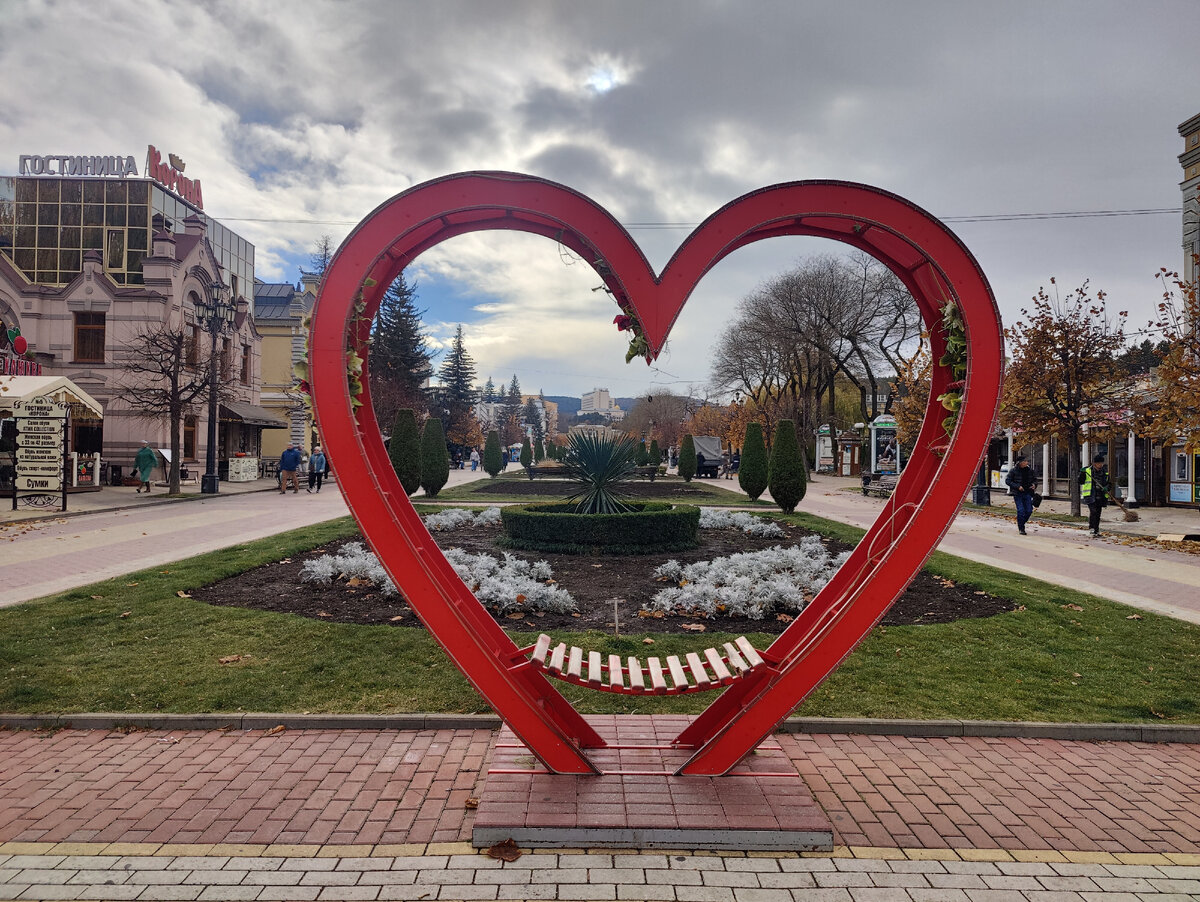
<point>301,117</point>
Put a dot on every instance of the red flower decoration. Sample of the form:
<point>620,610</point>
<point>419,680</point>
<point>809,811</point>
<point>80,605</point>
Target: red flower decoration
<point>623,322</point>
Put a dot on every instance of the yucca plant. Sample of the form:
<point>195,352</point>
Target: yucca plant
<point>599,464</point>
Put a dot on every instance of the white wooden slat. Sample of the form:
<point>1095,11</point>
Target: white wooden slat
<point>717,664</point>
<point>575,663</point>
<point>637,677</point>
<point>657,682</point>
<point>615,675</point>
<point>542,648</point>
<point>735,658</point>
<point>557,657</point>
<point>678,677</point>
<point>594,668</point>
<point>749,652</point>
<point>699,674</point>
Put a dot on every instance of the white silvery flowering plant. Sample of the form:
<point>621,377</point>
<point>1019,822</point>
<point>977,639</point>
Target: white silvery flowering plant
<point>461,518</point>
<point>511,584</point>
<point>752,584</point>
<point>718,518</point>
<point>353,561</point>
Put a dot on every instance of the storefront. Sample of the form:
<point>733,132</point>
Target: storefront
<point>1183,475</point>
<point>240,439</point>
<point>80,466</point>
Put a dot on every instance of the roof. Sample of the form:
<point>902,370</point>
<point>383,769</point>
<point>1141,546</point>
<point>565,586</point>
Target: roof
<point>57,388</point>
<point>251,415</point>
<point>273,300</point>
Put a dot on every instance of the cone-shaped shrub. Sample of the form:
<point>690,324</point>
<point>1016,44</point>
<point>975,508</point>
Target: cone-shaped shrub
<point>687,458</point>
<point>643,456</point>
<point>492,455</point>
<point>539,452</point>
<point>526,456</point>
<point>655,454</point>
<point>752,468</point>
<point>404,450</point>
<point>435,459</point>
<point>786,477</point>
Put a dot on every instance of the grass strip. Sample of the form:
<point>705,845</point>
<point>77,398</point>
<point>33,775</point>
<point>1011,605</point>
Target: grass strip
<point>138,644</point>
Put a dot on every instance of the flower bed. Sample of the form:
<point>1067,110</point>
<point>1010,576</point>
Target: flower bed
<point>649,527</point>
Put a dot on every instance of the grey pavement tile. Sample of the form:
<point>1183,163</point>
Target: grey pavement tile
<point>459,876</point>
<point>876,894</point>
<point>265,863</point>
<point>6,874</point>
<point>556,875</point>
<point>285,893</point>
<point>272,878</point>
<point>89,862</point>
<point>329,878</point>
<point>618,875</point>
<point>698,863</point>
<point>643,860</point>
<point>1025,868</point>
<point>408,892</point>
<point>230,893</point>
<point>1180,871</point>
<point>42,876</point>
<point>308,864</point>
<point>726,878</point>
<point>183,892</point>
<point>592,892</point>
<point>971,867</point>
<point>158,878</point>
<point>899,881</point>
<point>389,878</point>
<point>1073,869</point>
<point>12,890</point>
<point>373,864</point>
<point>704,893</point>
<point>347,893</point>
<point>1006,882</point>
<point>1052,895</point>
<point>1134,870</point>
<point>502,877</point>
<point>203,862</point>
<point>822,894</point>
<point>1167,885</point>
<point>759,894</point>
<point>100,878</point>
<point>807,864</point>
<point>858,864</point>
<point>675,878</point>
<point>464,893</point>
<point>904,866</point>
<point>415,862</point>
<point>143,862</point>
<point>843,878</point>
<point>3,859</point>
<point>647,893</point>
<point>788,880</point>
<point>214,877</point>
<point>956,881</point>
<point>112,893</point>
<point>1123,885</point>
<point>938,895</point>
<point>481,862</point>
<point>760,865</point>
<point>35,861</point>
<point>586,860</point>
<point>525,891</point>
<point>1074,884</point>
<point>47,891</point>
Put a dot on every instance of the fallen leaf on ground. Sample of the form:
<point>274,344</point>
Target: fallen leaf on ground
<point>471,803</point>
<point>516,615</point>
<point>358,581</point>
<point>397,617</point>
<point>274,730</point>
<point>784,618</point>
<point>230,659</point>
<point>1134,617</point>
<point>1072,607</point>
<point>130,585</point>
<point>505,851</point>
<point>647,642</point>
<point>126,613</point>
<point>182,594</point>
<point>97,597</point>
<point>694,627</point>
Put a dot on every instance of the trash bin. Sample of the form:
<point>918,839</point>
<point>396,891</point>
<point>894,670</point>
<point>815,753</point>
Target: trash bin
<point>114,474</point>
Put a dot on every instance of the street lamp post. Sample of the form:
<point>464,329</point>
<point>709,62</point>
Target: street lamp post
<point>213,314</point>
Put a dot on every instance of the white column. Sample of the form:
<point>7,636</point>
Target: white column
<point>1131,494</point>
<point>1010,448</point>
<point>1046,468</point>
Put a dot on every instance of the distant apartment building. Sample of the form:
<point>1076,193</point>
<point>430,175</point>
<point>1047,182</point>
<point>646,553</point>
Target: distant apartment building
<point>599,401</point>
<point>1190,186</point>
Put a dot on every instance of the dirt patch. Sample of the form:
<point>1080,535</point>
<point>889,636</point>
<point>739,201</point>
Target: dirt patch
<point>535,489</point>
<point>594,581</point>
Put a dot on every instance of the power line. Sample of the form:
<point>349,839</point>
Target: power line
<point>652,226</point>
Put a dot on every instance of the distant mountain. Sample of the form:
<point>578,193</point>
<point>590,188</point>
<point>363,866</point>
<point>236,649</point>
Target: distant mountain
<point>626,404</point>
<point>566,405</point>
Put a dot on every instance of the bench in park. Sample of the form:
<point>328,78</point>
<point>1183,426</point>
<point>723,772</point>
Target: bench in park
<point>883,486</point>
<point>708,669</point>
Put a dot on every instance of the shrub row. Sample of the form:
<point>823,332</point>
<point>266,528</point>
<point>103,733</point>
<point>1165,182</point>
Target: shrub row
<point>652,526</point>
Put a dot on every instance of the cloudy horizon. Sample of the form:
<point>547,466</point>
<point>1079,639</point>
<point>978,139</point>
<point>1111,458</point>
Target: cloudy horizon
<point>1008,120</point>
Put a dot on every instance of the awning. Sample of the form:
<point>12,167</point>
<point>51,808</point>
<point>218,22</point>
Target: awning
<point>251,415</point>
<point>57,388</point>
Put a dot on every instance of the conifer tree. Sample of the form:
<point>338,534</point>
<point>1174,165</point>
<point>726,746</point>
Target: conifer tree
<point>400,357</point>
<point>786,477</point>
<point>435,460</point>
<point>687,458</point>
<point>539,451</point>
<point>527,456</point>
<point>492,455</point>
<point>641,455</point>
<point>489,391</point>
<point>752,468</point>
<point>404,450</point>
<point>655,454</point>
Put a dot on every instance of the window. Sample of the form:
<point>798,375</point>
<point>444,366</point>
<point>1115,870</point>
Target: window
<point>89,337</point>
<point>225,361</point>
<point>189,437</point>
<point>245,377</point>
<point>193,347</point>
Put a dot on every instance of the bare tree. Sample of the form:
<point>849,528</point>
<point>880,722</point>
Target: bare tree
<point>165,377</point>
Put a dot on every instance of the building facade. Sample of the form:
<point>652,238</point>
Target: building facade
<point>599,401</point>
<point>279,313</point>
<point>1189,160</point>
<point>89,263</point>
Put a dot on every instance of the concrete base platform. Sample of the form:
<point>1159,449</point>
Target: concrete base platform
<point>638,802</point>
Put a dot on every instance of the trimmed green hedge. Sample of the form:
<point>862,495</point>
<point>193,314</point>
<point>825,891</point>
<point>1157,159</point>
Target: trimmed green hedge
<point>652,526</point>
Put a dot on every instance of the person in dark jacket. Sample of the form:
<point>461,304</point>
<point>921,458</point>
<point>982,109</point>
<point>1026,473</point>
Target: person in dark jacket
<point>317,465</point>
<point>1020,479</point>
<point>1093,491</point>
<point>289,463</point>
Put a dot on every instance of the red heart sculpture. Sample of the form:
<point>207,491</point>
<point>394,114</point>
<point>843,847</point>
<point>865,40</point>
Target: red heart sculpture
<point>928,258</point>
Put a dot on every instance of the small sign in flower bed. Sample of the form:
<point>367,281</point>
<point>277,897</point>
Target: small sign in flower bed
<point>633,594</point>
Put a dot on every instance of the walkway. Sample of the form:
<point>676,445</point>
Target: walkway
<point>353,814</point>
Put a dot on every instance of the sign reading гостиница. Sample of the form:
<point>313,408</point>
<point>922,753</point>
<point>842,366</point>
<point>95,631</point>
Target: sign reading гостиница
<point>169,175</point>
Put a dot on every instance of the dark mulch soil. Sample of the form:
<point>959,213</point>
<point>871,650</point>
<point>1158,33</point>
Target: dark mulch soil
<point>594,581</point>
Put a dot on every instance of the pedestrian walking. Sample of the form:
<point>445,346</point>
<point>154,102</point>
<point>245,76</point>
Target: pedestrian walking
<point>289,463</point>
<point>1020,480</point>
<point>317,465</point>
<point>474,459</point>
<point>145,462</point>
<point>1094,491</point>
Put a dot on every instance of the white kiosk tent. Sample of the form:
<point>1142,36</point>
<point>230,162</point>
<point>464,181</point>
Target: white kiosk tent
<point>84,409</point>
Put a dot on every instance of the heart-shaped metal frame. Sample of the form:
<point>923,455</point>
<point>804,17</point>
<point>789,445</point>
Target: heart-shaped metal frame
<point>926,256</point>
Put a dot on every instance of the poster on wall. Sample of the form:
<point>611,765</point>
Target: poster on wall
<point>1181,492</point>
<point>887,450</point>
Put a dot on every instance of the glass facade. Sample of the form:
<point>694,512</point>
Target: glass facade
<point>47,223</point>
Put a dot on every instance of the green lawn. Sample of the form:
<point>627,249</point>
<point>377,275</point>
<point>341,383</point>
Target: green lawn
<point>135,645</point>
